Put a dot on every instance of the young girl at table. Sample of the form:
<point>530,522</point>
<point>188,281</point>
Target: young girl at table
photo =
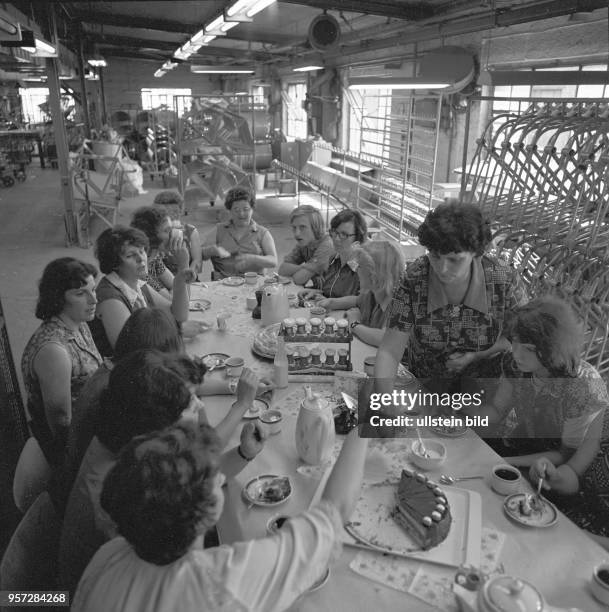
<point>173,479</point>
<point>548,398</point>
<point>147,391</point>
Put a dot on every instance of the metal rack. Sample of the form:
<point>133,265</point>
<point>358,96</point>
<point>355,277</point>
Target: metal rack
<point>216,142</point>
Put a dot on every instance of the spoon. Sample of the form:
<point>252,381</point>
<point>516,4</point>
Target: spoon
<point>446,479</point>
<point>424,451</point>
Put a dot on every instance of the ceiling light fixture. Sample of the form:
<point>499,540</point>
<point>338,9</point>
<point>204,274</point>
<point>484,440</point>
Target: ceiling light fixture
<point>42,49</point>
<point>159,73</point>
<point>200,69</point>
<point>447,70</point>
<point>308,68</point>
<point>97,62</point>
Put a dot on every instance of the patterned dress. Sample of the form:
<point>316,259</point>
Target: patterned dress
<point>85,360</point>
<point>439,329</point>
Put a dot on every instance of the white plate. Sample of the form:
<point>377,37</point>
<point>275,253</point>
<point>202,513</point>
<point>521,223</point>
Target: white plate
<point>373,523</point>
<point>547,517</point>
<point>233,281</point>
<point>258,407</point>
<point>199,305</point>
<point>253,490</point>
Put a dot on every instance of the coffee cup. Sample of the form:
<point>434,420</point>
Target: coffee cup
<point>250,302</point>
<point>234,367</point>
<point>251,278</point>
<point>600,583</point>
<point>369,363</point>
<point>272,419</point>
<point>505,479</point>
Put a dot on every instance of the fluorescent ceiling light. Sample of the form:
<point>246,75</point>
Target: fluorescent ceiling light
<point>198,37</point>
<point>215,24</point>
<point>169,65</point>
<point>238,7</point>
<point>91,76</point>
<point>42,49</point>
<point>307,68</point>
<point>257,7</point>
<point>199,69</point>
<point>159,73</point>
<point>228,25</point>
<point>208,38</point>
<point>97,61</point>
<point>8,27</point>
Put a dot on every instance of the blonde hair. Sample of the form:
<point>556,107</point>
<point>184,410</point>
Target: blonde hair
<point>314,216</point>
<point>381,263</point>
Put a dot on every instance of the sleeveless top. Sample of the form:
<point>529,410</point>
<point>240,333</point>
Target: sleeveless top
<point>250,243</point>
<point>85,360</point>
<point>108,291</point>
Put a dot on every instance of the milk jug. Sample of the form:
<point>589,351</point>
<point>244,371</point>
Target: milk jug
<point>314,429</point>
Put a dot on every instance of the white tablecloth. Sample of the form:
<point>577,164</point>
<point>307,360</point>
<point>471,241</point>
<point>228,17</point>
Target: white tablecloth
<point>558,560</point>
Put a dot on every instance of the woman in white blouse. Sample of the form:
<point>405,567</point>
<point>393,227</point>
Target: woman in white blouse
<point>164,492</point>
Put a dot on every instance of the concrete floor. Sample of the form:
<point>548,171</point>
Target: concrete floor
<point>32,234</point>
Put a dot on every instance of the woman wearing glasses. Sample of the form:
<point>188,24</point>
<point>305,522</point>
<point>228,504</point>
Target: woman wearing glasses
<point>240,244</point>
<point>347,229</point>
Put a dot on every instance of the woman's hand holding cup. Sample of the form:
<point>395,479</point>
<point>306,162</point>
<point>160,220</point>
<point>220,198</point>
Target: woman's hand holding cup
<point>253,438</point>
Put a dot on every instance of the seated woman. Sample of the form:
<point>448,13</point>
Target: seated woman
<point>239,245</point>
<point>347,230</point>
<point>145,570</point>
<point>147,391</point>
<point>547,396</point>
<point>452,304</point>
<point>61,355</point>
<point>121,252</point>
<point>314,249</point>
<point>172,202</point>
<point>380,264</point>
<point>156,224</point>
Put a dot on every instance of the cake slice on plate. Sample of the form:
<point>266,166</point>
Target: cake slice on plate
<point>422,510</point>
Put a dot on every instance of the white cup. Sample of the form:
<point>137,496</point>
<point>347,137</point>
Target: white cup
<point>222,319</point>
<point>234,367</point>
<point>599,584</point>
<point>505,479</point>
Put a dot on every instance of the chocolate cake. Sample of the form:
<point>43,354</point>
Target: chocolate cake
<point>422,510</point>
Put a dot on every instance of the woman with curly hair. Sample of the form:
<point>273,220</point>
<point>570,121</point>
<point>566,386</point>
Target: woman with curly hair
<point>239,244</point>
<point>550,406</point>
<point>122,255</point>
<point>61,355</point>
<point>379,265</point>
<point>452,305</point>
<point>172,478</point>
<point>147,391</point>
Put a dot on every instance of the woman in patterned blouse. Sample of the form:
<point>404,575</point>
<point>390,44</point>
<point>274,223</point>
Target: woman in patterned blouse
<point>61,355</point>
<point>452,304</point>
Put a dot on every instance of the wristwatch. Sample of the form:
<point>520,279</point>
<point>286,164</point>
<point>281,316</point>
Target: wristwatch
<point>355,324</point>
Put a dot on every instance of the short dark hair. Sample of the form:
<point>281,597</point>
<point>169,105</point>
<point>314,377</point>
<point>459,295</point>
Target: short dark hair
<point>551,325</point>
<point>161,490</point>
<point>110,244</point>
<point>149,328</point>
<point>59,276</point>
<point>239,193</point>
<point>148,219</point>
<point>453,227</point>
<point>147,390</point>
<point>359,223</point>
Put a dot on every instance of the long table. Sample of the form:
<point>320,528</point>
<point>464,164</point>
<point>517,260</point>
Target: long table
<point>558,560</point>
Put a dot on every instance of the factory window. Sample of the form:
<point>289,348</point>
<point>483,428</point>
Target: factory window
<point>155,98</point>
<point>32,98</point>
<point>294,99</point>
